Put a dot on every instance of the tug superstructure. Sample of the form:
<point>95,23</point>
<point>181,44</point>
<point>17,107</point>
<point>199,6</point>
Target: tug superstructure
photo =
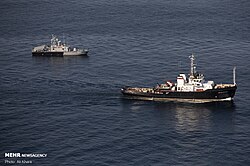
<point>191,89</point>
<point>57,48</point>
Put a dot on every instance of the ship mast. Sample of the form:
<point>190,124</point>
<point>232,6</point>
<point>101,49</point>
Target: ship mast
<point>52,39</point>
<point>192,69</point>
<point>64,43</point>
<point>234,75</point>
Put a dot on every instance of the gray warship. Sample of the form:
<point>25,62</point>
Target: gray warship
<point>58,48</point>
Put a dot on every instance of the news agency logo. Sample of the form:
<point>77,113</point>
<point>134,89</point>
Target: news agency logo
<point>16,155</point>
<point>12,155</point>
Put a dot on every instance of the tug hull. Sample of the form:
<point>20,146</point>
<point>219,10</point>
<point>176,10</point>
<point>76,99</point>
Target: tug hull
<point>211,95</point>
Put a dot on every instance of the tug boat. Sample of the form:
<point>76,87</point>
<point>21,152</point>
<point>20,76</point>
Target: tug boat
<point>193,89</point>
<point>57,48</point>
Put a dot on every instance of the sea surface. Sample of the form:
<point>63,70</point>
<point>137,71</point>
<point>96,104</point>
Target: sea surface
<point>71,108</point>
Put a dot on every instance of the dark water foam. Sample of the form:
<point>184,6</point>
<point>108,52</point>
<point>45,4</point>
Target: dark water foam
<point>71,108</point>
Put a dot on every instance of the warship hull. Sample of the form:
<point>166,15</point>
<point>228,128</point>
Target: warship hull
<point>48,54</point>
<point>59,54</point>
<point>211,95</point>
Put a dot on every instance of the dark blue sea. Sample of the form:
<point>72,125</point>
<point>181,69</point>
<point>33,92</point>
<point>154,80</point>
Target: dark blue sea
<point>71,108</point>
